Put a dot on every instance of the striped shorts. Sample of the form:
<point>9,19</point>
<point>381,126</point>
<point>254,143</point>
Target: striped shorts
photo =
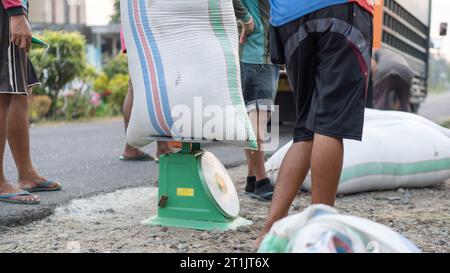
<point>17,74</point>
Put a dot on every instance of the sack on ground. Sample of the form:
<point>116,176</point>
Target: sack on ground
<point>399,150</point>
<point>321,229</point>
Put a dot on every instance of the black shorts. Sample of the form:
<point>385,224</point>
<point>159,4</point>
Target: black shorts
<point>328,55</point>
<point>17,73</point>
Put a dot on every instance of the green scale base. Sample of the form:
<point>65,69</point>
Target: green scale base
<point>184,197</point>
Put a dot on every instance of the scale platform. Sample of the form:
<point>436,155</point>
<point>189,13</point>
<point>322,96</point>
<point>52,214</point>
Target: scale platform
<point>196,192</point>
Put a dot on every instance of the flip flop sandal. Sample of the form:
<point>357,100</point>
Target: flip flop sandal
<point>143,157</point>
<point>8,198</point>
<point>44,186</point>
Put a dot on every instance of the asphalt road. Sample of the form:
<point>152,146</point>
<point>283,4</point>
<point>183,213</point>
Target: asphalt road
<point>436,107</point>
<point>84,158</point>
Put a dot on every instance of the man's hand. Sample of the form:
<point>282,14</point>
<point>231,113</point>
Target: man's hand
<point>373,66</point>
<point>247,29</point>
<point>20,32</point>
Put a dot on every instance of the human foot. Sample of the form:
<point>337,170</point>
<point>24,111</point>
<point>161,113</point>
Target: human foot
<point>33,182</point>
<point>134,154</point>
<point>164,151</point>
<point>12,194</point>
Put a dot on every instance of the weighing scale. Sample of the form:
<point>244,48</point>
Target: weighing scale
<point>196,192</point>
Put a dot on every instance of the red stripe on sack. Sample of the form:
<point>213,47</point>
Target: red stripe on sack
<point>150,61</point>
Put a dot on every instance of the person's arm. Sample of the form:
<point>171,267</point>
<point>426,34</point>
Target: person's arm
<point>19,27</point>
<point>246,19</point>
<point>374,63</point>
<point>241,12</point>
<point>373,66</point>
<point>14,7</point>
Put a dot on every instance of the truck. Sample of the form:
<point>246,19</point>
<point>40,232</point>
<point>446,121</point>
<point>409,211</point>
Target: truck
<point>402,26</point>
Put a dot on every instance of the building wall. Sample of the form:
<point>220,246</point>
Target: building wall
<point>58,12</point>
<point>419,8</point>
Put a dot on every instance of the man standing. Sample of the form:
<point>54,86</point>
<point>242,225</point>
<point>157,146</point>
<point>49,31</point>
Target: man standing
<point>326,46</point>
<point>392,80</point>
<point>17,76</point>
<point>259,85</point>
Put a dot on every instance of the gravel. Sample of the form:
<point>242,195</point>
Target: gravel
<point>112,222</point>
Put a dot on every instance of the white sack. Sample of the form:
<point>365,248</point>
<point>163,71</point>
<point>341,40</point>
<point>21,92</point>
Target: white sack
<point>399,150</point>
<point>184,56</point>
<point>321,229</point>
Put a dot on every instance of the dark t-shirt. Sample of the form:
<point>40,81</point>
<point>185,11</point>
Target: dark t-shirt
<point>390,63</point>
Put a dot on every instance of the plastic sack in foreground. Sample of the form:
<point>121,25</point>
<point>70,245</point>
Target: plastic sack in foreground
<point>321,229</point>
<point>184,66</point>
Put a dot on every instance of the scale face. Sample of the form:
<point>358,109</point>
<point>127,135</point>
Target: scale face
<point>219,185</point>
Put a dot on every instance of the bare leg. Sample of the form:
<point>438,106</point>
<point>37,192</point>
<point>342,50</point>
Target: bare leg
<point>256,159</point>
<point>18,136</point>
<point>5,187</point>
<point>129,151</point>
<point>326,156</point>
<point>293,171</point>
<point>250,169</point>
<point>326,167</point>
<point>163,148</point>
<point>248,153</point>
<point>5,101</point>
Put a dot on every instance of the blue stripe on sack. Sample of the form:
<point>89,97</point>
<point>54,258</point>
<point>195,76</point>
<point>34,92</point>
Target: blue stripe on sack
<point>158,63</point>
<point>151,111</point>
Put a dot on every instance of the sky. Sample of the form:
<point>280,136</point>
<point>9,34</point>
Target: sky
<point>99,13</point>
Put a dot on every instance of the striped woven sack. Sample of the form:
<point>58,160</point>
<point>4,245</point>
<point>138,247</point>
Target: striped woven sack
<point>184,66</point>
<point>399,150</point>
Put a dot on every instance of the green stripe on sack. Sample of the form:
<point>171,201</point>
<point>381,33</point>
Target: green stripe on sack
<point>216,20</point>
<point>394,169</point>
<point>274,244</point>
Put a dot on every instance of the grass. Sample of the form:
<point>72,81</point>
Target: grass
<point>439,90</point>
<point>51,123</point>
<point>446,124</point>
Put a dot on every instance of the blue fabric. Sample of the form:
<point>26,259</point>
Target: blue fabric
<point>255,48</point>
<point>285,11</point>
<point>44,184</point>
<point>259,84</point>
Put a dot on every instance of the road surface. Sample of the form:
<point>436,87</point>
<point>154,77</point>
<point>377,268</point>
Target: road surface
<point>84,158</point>
<point>436,107</point>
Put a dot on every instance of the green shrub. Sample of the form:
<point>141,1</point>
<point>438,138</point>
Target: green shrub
<point>65,61</point>
<point>112,84</point>
<point>117,65</point>
<point>101,83</point>
<point>75,105</point>
<point>39,107</point>
<point>119,87</point>
<point>446,124</point>
<point>105,110</point>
